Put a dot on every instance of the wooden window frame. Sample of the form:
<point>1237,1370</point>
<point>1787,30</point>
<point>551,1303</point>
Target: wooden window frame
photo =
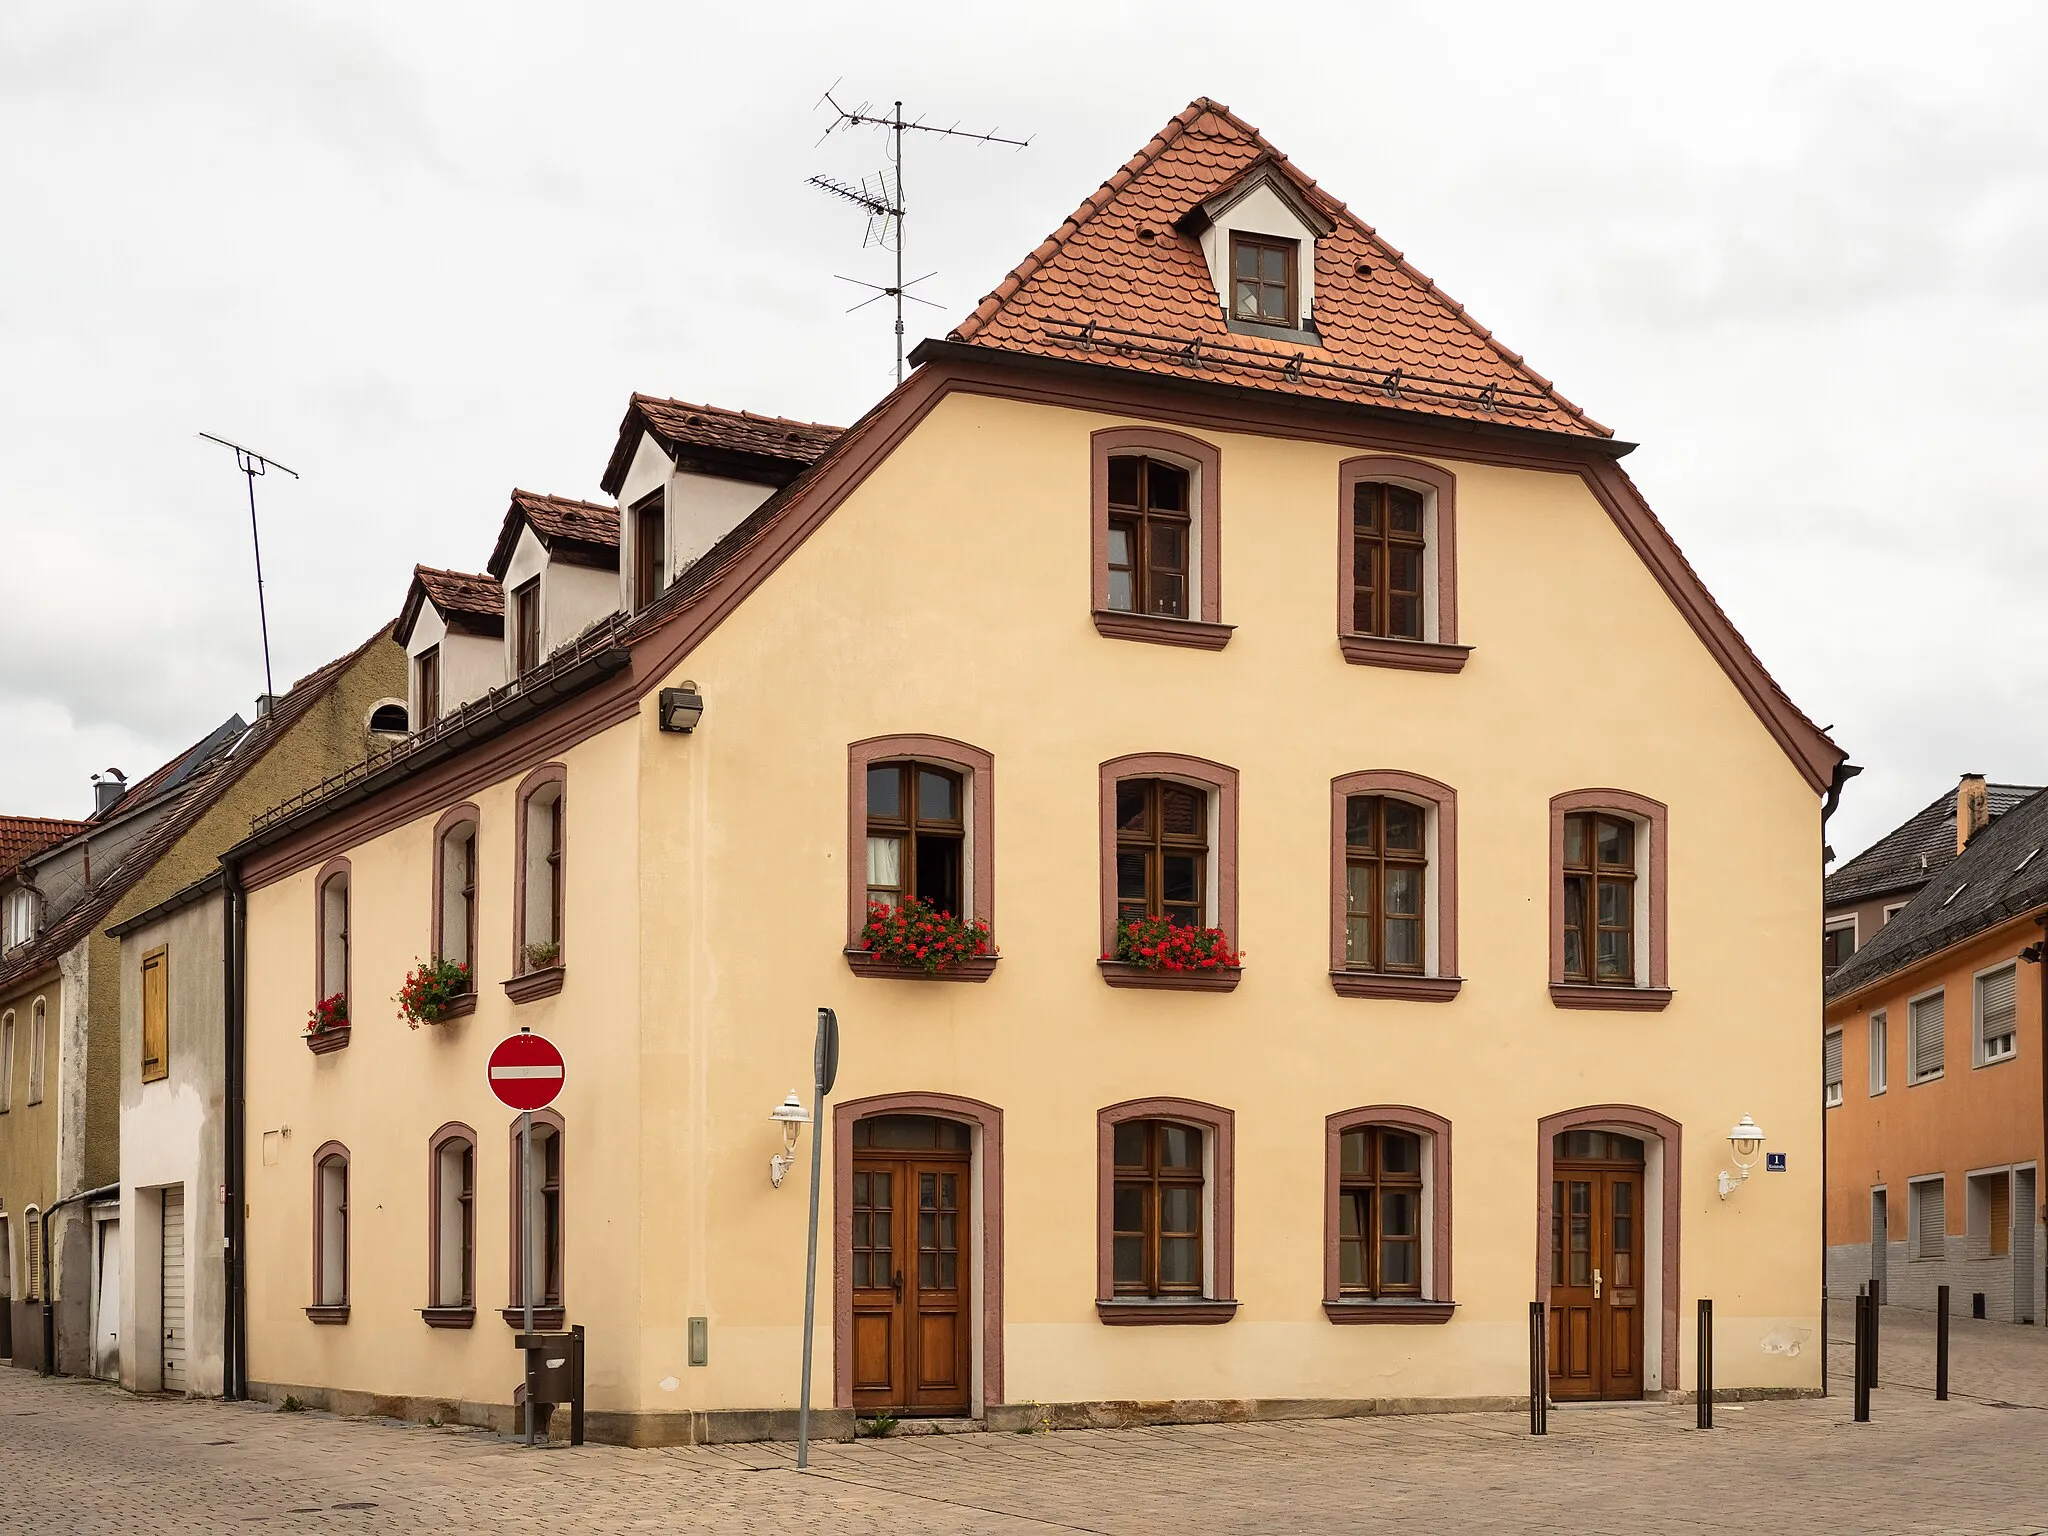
<point>547,1315</point>
<point>440,1312</point>
<point>452,822</point>
<point>525,984</point>
<point>1155,844</point>
<point>1651,928</point>
<point>1221,782</point>
<point>336,868</point>
<point>38,1048</point>
<point>522,612</point>
<point>1146,526</point>
<point>1439,801</point>
<point>324,1311</point>
<point>1914,1076</point>
<point>1439,649</point>
<point>1203,629</point>
<point>6,1061</point>
<point>1979,1055</point>
<point>977,769</point>
<point>650,579</point>
<point>1244,239</point>
<point>1218,1128</point>
<point>427,687</point>
<point>155,1068</point>
<point>1433,1303</point>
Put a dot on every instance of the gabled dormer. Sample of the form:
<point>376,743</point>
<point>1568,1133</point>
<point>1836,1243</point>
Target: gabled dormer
<point>453,629</point>
<point>1258,234</point>
<point>557,561</point>
<point>686,475</point>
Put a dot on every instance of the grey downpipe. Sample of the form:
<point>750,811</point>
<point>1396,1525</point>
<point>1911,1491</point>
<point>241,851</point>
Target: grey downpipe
<point>234,935</point>
<point>50,1270</point>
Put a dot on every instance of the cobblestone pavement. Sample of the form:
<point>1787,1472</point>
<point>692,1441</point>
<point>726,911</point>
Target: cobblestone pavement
<point>85,1457</point>
<point>1992,1362</point>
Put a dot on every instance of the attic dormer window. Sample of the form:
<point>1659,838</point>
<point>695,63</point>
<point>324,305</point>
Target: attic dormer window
<point>1262,279</point>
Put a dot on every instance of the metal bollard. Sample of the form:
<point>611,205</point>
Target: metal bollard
<point>1876,1312</point>
<point>1539,1373</point>
<point>1704,1368</point>
<point>1862,1355</point>
<point>1941,1344</point>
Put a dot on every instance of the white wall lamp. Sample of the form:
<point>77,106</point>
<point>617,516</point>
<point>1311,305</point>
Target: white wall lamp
<point>793,1117</point>
<point>681,708</point>
<point>1745,1143</point>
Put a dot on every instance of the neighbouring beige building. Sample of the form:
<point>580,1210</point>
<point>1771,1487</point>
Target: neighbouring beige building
<point>1217,576</point>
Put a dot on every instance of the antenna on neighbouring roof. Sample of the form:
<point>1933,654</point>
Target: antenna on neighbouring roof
<point>881,195</point>
<point>251,464</point>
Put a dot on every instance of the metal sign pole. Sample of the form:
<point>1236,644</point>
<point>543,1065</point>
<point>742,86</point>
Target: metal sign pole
<point>825,1069</point>
<point>526,1265</point>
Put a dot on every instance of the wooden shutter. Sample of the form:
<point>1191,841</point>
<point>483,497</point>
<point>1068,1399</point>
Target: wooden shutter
<point>1930,1220</point>
<point>1928,1019</point>
<point>1831,1072</point>
<point>156,1018</point>
<point>1997,1009</point>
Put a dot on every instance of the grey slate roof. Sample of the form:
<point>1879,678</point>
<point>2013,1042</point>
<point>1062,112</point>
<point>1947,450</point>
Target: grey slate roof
<point>1892,865</point>
<point>2002,874</point>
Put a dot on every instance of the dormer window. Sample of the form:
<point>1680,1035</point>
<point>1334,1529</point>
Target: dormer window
<point>20,917</point>
<point>650,550</point>
<point>1262,279</point>
<point>426,668</point>
<point>525,627</point>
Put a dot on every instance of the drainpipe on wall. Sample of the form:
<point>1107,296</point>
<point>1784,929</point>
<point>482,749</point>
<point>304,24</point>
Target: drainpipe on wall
<point>2038,953</point>
<point>1844,772</point>
<point>234,933</point>
<point>105,1191</point>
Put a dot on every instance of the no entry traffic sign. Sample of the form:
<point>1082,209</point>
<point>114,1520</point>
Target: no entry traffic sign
<point>526,1071</point>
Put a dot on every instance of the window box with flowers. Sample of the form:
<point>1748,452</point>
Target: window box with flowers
<point>327,1026</point>
<point>1157,952</point>
<point>543,974</point>
<point>914,941</point>
<point>436,992</point>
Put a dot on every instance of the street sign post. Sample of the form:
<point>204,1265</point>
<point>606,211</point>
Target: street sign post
<point>526,1072</point>
<point>824,1073</point>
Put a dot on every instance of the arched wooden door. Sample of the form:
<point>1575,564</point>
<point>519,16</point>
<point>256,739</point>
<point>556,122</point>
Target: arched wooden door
<point>1597,1291</point>
<point>911,1273</point>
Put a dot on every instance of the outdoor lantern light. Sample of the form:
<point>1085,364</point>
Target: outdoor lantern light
<point>1744,1143</point>
<point>793,1117</point>
<point>681,708</point>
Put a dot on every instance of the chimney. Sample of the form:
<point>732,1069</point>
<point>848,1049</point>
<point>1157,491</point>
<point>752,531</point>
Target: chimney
<point>1973,809</point>
<point>107,790</point>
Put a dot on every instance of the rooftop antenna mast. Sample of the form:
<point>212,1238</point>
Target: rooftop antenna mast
<point>251,464</point>
<point>881,195</point>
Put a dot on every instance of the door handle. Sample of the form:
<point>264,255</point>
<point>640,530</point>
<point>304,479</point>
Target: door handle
<point>1596,1285</point>
<point>899,1285</point>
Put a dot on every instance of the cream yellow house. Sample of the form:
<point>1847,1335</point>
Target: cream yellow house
<point>1217,589</point>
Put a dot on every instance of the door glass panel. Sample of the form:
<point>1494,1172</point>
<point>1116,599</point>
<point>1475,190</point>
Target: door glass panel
<point>1557,1232</point>
<point>1581,1236</point>
<point>1622,1196</point>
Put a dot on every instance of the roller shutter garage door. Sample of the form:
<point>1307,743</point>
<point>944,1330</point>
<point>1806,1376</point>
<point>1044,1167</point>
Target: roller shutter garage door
<point>174,1289</point>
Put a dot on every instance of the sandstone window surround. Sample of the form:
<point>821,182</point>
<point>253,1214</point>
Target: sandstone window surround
<point>1366,1296</point>
<point>540,949</point>
<point>1219,895</point>
<point>1214,1297</point>
<point>1434,978</point>
<point>1200,625</point>
<point>1645,987</point>
<point>973,771</point>
<point>1372,492</point>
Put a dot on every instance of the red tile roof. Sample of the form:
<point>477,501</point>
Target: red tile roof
<point>23,836</point>
<point>1116,284</point>
<point>588,529</point>
<point>475,604</point>
<point>770,442</point>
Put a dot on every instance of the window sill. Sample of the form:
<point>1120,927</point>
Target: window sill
<point>974,968</point>
<point>461,1008</point>
<point>1144,1312</point>
<point>449,1317</point>
<point>545,1319</point>
<point>332,1315</point>
<point>1121,973</point>
<point>328,1040</point>
<point>535,984</point>
<point>1407,655</point>
<point>1197,633</point>
<point>1301,336</point>
<point>1578,994</point>
<point>1368,1311</point>
<point>1414,989</point>
<point>1932,1077</point>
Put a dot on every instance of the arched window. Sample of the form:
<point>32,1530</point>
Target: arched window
<point>1607,915</point>
<point>539,940</point>
<point>451,1236</point>
<point>920,822</point>
<point>330,1235</point>
<point>1387,1223</point>
<point>1165,1212</point>
<point>1150,541</point>
<point>389,718</point>
<point>455,871</point>
<point>38,1047</point>
<point>332,916</point>
<point>544,1167</point>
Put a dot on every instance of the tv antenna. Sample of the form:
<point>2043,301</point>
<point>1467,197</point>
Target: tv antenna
<point>881,195</point>
<point>251,464</point>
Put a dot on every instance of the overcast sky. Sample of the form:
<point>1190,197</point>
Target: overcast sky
<point>422,253</point>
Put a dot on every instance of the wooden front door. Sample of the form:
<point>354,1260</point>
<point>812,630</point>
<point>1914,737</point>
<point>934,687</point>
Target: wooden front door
<point>1598,1291</point>
<point>910,1270</point>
